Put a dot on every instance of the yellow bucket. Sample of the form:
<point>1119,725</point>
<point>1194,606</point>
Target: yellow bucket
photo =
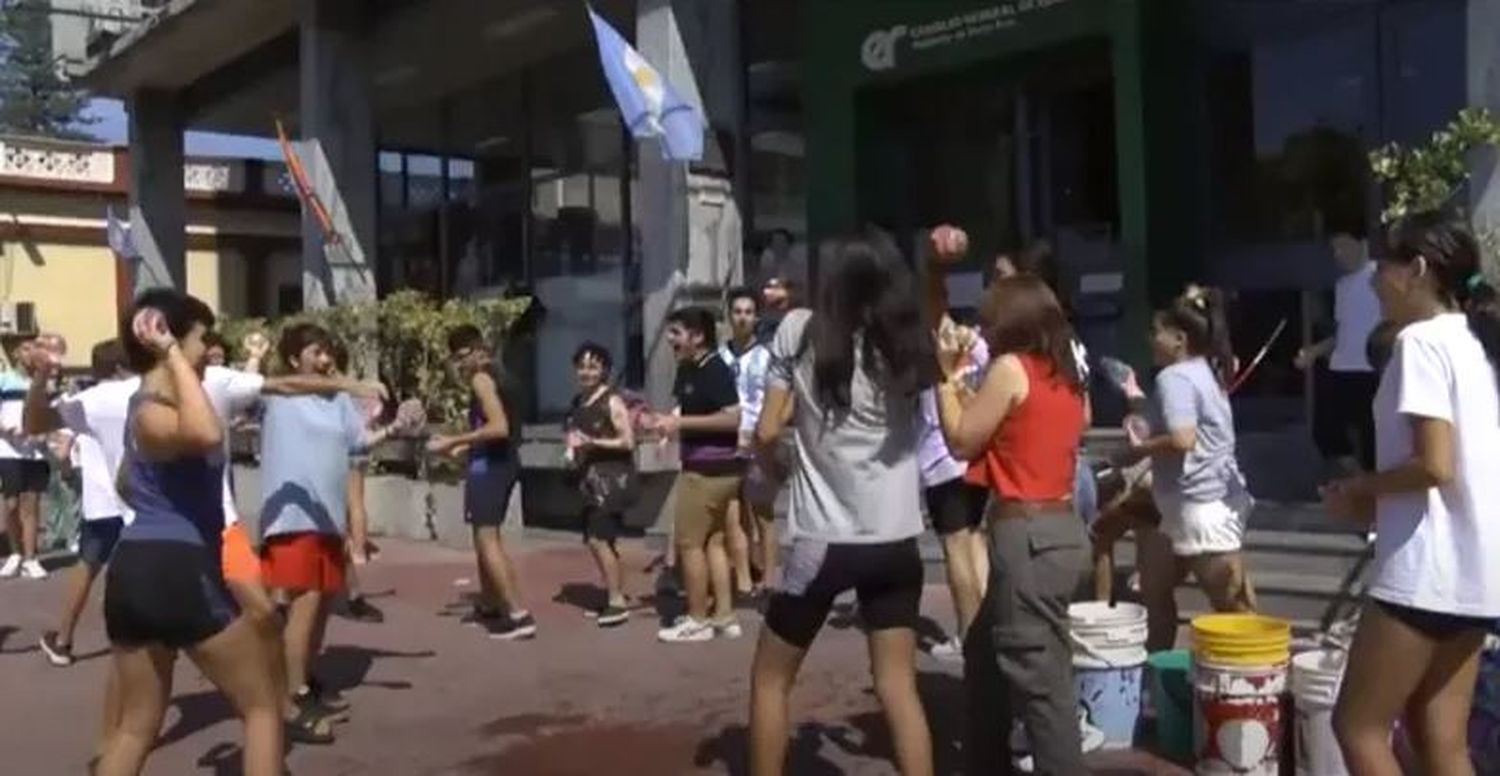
<point>1241,639</point>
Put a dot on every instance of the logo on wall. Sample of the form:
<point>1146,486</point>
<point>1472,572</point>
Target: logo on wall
<point>879,49</point>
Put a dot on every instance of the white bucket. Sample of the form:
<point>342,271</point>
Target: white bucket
<point>1109,655</point>
<point>1316,677</point>
<point>1237,720</point>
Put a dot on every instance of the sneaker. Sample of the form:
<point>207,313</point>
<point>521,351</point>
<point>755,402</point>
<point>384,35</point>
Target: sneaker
<point>949,649</point>
<point>360,610</point>
<point>31,569</point>
<point>511,628</point>
<point>686,630</point>
<point>58,654</point>
<point>11,567</point>
<point>480,617</point>
<point>311,705</point>
<point>728,628</point>
<point>330,699</point>
<point>612,615</point>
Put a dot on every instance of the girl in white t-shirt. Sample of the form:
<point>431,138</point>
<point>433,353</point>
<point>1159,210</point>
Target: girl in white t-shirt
<point>1433,499</point>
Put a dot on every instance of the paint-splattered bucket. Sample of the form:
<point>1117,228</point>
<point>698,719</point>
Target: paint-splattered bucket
<point>1109,656</point>
<point>1237,720</point>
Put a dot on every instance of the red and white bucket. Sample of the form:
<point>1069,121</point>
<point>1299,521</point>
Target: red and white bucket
<point>1237,719</point>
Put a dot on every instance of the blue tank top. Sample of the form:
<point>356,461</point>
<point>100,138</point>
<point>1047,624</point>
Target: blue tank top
<point>180,500</point>
<point>485,456</point>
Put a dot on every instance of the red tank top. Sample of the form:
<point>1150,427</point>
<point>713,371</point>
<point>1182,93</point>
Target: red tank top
<point>1033,454</point>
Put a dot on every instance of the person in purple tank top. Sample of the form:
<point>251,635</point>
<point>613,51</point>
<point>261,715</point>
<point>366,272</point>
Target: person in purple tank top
<point>165,589</point>
<point>493,469</point>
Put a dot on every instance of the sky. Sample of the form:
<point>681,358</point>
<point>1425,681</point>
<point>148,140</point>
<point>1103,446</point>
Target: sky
<point>111,127</point>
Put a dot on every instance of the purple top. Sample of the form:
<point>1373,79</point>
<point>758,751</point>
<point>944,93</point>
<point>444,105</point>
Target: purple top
<point>934,461</point>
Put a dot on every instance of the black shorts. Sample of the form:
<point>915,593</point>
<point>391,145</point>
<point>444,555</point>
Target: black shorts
<point>487,494</point>
<point>1435,625</point>
<point>956,505</point>
<point>23,475</point>
<point>886,577</point>
<point>599,525</point>
<point>167,593</point>
<point>97,539</point>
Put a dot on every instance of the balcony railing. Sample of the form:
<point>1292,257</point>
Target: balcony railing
<point>92,166</point>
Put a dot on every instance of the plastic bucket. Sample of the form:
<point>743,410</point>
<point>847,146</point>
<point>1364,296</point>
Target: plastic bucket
<point>1316,677</point>
<point>1237,720</point>
<point>1241,639</point>
<point>1172,697</point>
<point>1109,652</point>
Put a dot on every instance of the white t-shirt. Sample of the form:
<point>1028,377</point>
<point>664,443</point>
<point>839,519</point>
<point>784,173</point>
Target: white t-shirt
<point>232,393</point>
<point>1439,550</point>
<point>1356,310</point>
<point>14,444</point>
<point>97,417</point>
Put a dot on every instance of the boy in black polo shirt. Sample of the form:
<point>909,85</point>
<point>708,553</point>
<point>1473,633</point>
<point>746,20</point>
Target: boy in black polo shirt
<point>707,422</point>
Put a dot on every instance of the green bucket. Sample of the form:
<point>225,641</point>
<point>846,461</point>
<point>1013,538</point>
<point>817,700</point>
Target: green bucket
<point>1172,697</point>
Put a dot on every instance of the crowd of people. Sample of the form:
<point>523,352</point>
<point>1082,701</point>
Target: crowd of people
<point>867,409</point>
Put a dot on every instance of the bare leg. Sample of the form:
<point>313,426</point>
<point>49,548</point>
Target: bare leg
<point>1160,575</point>
<point>145,683</point>
<point>80,579</point>
<point>1221,575</point>
<point>1394,669</point>
<point>27,505</point>
<point>737,539</point>
<point>769,549</point>
<point>608,561</point>
<point>893,663</point>
<point>494,561</point>
<point>257,609</point>
<point>231,660</point>
<point>772,675</point>
<point>12,524</point>
<point>963,578</point>
<point>359,517</point>
<point>693,562</point>
<point>719,577</point>
<point>303,614</point>
<point>113,710</point>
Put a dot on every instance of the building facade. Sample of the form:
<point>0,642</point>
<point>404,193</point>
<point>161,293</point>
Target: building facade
<point>472,147</point>
<point>241,248</point>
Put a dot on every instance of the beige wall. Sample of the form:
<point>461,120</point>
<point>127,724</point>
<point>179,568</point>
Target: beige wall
<point>73,288</point>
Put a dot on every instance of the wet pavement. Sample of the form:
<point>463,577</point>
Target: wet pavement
<point>433,696</point>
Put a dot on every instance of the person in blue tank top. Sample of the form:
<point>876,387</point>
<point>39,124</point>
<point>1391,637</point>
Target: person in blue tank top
<point>165,589</point>
<point>493,469</point>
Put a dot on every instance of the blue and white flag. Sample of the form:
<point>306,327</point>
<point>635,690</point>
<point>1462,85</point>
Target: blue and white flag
<point>649,105</point>
<point>117,234</point>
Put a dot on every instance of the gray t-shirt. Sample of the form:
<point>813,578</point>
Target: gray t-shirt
<point>305,442</point>
<point>1188,394</point>
<point>854,476</point>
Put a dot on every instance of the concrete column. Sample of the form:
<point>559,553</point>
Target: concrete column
<point>1483,27</point>
<point>338,151</point>
<point>691,237</point>
<point>158,205</point>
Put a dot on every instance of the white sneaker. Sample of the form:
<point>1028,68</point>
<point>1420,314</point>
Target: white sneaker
<point>12,566</point>
<point>31,569</point>
<point>686,630</point>
<point>948,649</point>
<point>729,629</point>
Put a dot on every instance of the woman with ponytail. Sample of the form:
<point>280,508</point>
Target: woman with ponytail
<point>1196,481</point>
<point>1433,500</point>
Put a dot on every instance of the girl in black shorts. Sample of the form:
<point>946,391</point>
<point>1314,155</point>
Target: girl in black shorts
<point>165,587</point>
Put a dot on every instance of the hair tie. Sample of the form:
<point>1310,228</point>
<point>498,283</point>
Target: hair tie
<point>1474,282</point>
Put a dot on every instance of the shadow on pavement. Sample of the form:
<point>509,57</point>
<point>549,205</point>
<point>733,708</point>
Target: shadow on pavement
<point>862,735</point>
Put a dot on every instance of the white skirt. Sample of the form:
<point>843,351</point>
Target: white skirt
<point>1200,527</point>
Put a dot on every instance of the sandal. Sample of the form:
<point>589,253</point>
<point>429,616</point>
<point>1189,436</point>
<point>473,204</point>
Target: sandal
<point>309,727</point>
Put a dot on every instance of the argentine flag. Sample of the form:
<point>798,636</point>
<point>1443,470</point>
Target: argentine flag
<point>649,105</point>
<point>117,234</point>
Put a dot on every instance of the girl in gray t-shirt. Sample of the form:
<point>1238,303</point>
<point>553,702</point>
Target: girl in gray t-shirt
<point>1196,481</point>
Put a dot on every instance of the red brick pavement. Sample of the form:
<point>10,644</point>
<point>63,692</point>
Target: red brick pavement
<point>432,696</point>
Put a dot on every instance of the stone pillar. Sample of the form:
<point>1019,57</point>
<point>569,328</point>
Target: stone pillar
<point>1483,28</point>
<point>158,204</point>
<point>691,240</point>
<point>338,152</point>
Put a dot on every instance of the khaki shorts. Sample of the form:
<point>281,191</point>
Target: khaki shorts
<point>703,506</point>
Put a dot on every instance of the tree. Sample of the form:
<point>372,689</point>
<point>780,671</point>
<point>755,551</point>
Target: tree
<point>35,99</point>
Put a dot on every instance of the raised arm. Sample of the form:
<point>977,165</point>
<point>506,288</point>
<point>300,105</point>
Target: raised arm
<point>186,426</point>
<point>39,416</point>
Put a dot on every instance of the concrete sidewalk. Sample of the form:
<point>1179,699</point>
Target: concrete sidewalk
<point>432,696</point>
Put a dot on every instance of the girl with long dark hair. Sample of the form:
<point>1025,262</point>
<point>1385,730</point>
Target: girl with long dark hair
<point>1432,500</point>
<point>1023,427</point>
<point>846,376</point>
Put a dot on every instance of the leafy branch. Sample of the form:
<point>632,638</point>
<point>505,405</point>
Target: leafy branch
<point>1429,176</point>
